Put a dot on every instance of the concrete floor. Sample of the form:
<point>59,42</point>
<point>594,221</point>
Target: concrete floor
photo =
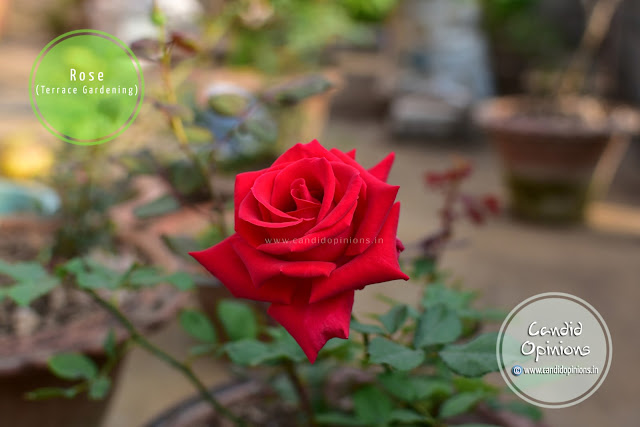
<point>506,261</point>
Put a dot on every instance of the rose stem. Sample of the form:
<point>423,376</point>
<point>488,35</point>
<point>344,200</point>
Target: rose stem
<point>139,339</point>
<point>305,403</point>
<point>178,130</point>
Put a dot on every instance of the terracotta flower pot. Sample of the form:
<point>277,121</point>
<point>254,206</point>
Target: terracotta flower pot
<point>241,397</point>
<point>23,361</point>
<point>556,156</point>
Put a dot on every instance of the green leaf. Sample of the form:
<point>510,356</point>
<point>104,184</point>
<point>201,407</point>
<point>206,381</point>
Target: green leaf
<point>437,294</point>
<point>72,366</point>
<point>284,346</point>
<point>406,416</point>
<point>181,280</point>
<point>160,206</point>
<point>198,325</point>
<point>464,384</point>
<point>438,325</point>
<point>477,425</point>
<point>424,267</point>
<point>372,406</point>
<point>396,355</point>
<point>51,392</point>
<point>145,276</point>
<point>24,293</point>
<point>249,352</point>
<point>109,345</point>
<point>395,318</point>
<point>411,389</point>
<point>474,358</point>
<point>460,403</point>
<point>337,419</point>
<point>366,329</point>
<point>99,388</point>
<point>92,275</point>
<point>24,271</point>
<point>181,245</point>
<point>238,319</point>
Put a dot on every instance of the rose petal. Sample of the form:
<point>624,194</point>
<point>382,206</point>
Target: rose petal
<point>222,261</point>
<point>310,240</point>
<point>382,169</point>
<point>317,173</point>
<point>377,264</point>
<point>263,267</point>
<point>380,198</point>
<point>351,154</point>
<point>312,325</point>
<point>303,151</point>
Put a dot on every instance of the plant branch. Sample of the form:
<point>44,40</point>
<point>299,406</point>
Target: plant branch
<point>305,403</point>
<point>185,370</point>
<point>177,127</point>
<point>598,26</point>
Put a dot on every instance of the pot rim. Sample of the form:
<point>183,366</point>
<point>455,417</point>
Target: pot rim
<point>148,311</point>
<point>603,119</point>
<point>194,407</point>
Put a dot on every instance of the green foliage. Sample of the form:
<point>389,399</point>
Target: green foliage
<point>370,10</point>
<point>99,387</point>
<point>460,403</point>
<point>109,345</point>
<point>394,318</point>
<point>395,355</point>
<point>292,38</point>
<point>73,366</point>
<point>411,388</point>
<point>157,207</point>
<point>438,325</point>
<point>30,282</point>
<point>90,274</point>
<point>372,406</point>
<point>51,393</point>
<point>366,328</point>
<point>249,352</point>
<point>198,325</point>
<point>238,319</point>
<point>474,358</point>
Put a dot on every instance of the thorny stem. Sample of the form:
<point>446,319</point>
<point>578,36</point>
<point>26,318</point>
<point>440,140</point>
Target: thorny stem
<point>185,370</point>
<point>177,127</point>
<point>305,403</point>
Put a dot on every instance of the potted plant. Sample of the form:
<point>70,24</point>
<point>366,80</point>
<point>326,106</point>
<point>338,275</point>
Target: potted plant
<point>413,365</point>
<point>560,151</point>
<point>46,232</point>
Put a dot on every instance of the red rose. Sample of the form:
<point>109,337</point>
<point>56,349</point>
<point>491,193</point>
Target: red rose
<point>310,230</point>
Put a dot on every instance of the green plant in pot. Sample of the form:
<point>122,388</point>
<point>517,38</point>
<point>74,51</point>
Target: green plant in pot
<point>311,230</point>
<point>562,150</point>
<point>47,235</point>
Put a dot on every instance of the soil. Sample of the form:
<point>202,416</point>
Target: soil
<point>60,306</point>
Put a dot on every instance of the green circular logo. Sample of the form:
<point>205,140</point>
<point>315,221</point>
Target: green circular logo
<point>86,87</point>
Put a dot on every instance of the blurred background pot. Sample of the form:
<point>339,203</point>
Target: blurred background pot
<point>557,156</point>
<point>252,399</point>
